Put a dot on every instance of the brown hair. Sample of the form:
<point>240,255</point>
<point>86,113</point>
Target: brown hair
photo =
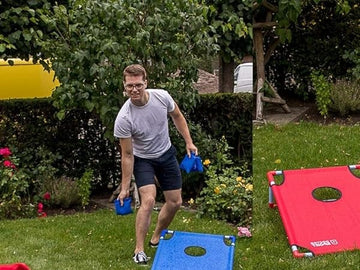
<point>135,70</point>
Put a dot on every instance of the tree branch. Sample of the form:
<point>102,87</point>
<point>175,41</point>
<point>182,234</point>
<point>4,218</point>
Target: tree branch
<point>264,24</point>
<point>271,49</point>
<point>269,6</point>
<point>273,100</point>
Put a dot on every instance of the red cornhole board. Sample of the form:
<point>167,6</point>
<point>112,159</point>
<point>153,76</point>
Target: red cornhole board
<point>14,266</point>
<point>318,226</point>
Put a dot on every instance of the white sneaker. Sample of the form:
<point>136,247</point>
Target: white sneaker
<point>141,258</point>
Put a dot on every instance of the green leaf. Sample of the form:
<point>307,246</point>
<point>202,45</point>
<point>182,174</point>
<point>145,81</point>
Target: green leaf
<point>31,11</point>
<point>27,36</point>
<point>39,33</point>
<point>89,105</point>
<point>15,35</point>
<point>17,10</point>
<point>32,2</point>
<point>61,114</point>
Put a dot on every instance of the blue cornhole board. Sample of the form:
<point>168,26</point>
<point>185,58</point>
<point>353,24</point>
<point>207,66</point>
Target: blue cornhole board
<point>217,251</point>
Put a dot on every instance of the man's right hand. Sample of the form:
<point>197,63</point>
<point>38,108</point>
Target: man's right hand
<point>124,193</point>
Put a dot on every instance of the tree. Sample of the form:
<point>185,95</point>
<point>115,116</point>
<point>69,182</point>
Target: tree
<point>95,41</point>
<point>22,28</point>
<point>230,23</point>
<point>326,39</point>
<point>273,22</point>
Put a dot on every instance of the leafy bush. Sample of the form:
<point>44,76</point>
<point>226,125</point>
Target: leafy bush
<point>23,28</point>
<point>13,187</point>
<point>67,192</point>
<point>30,127</point>
<point>39,165</point>
<point>229,115</point>
<point>322,92</point>
<point>84,186</point>
<point>193,182</point>
<point>93,43</point>
<point>228,192</point>
<point>354,57</point>
<point>46,151</point>
<point>345,97</point>
<point>64,192</point>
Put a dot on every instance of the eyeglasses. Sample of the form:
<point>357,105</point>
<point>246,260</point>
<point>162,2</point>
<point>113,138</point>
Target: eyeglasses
<point>137,86</point>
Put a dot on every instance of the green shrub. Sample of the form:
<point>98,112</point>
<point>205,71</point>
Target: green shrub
<point>354,57</point>
<point>322,91</point>
<point>84,187</point>
<point>17,209</point>
<point>64,192</point>
<point>345,97</point>
<point>193,182</point>
<point>228,192</point>
<point>39,165</point>
<point>216,116</point>
<point>14,199</point>
<point>68,146</point>
<point>46,151</point>
<point>229,115</point>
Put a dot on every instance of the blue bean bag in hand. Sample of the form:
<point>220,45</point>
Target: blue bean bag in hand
<point>191,164</point>
<point>125,208</point>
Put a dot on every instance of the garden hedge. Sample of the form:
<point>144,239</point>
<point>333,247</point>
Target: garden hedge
<point>26,125</point>
<point>229,115</point>
<point>29,124</point>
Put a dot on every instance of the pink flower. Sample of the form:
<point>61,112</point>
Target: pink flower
<point>47,196</point>
<point>41,212</point>
<point>9,164</point>
<point>244,231</point>
<point>40,207</point>
<point>5,152</point>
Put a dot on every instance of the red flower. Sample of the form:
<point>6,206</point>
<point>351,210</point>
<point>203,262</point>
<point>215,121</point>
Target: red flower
<point>5,152</point>
<point>9,164</point>
<point>42,214</point>
<point>40,207</point>
<point>47,196</point>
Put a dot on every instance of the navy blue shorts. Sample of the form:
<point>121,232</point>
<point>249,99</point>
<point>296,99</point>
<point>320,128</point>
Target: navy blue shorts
<point>165,168</point>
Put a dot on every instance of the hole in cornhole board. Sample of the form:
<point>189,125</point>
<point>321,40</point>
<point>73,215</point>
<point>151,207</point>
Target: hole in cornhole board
<point>228,241</point>
<point>168,236</point>
<point>326,194</point>
<point>356,173</point>
<point>279,179</point>
<point>195,251</point>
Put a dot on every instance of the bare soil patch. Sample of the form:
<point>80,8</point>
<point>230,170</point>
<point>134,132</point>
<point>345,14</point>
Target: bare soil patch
<point>313,115</point>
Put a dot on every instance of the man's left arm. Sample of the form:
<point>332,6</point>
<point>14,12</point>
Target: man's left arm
<point>181,125</point>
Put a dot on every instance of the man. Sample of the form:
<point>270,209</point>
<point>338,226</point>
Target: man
<point>146,152</point>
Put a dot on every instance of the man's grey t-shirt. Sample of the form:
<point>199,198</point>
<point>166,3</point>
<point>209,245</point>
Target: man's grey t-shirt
<point>147,125</point>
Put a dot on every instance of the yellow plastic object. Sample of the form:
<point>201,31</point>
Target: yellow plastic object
<point>25,80</point>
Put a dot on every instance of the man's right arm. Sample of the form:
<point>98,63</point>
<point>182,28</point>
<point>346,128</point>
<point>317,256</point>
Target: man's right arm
<point>127,165</point>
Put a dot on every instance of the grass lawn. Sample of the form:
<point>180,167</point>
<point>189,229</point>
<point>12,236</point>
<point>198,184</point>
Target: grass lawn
<point>99,240</point>
<point>304,145</point>
<point>102,240</point>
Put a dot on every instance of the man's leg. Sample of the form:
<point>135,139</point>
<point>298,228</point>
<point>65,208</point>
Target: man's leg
<point>172,204</point>
<point>143,216</point>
